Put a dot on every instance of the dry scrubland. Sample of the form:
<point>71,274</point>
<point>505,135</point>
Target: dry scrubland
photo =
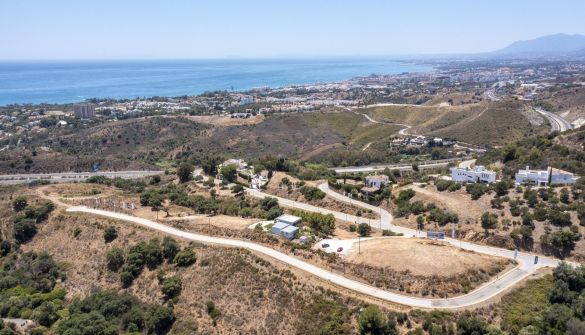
<point>147,143</point>
<point>480,123</point>
<point>469,212</point>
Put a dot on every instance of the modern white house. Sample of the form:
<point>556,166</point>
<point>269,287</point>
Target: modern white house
<point>550,176</point>
<point>278,227</point>
<point>477,175</point>
<point>285,225</point>
<point>290,220</point>
<point>377,181</point>
<point>290,232</point>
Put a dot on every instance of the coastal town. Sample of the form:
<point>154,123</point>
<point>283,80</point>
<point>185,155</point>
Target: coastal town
<point>295,168</point>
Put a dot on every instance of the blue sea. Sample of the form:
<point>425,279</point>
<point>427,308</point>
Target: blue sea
<point>74,81</point>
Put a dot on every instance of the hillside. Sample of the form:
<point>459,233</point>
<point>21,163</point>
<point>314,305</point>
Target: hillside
<point>484,124</point>
<point>558,43</point>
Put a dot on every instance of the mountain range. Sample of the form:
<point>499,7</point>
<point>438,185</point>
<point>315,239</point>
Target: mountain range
<point>550,44</point>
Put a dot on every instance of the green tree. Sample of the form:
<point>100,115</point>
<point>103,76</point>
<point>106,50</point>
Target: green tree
<point>185,172</point>
<point>364,229</point>
<point>170,248</point>
<point>159,319</point>
<point>489,221</point>
<point>172,287</point>
<point>372,321</point>
<point>115,259</point>
<point>24,230</point>
<point>185,257</point>
<point>110,234</point>
<point>229,172</point>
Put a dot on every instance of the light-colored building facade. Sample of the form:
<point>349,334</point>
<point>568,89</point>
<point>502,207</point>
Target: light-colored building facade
<point>278,227</point>
<point>289,220</point>
<point>550,176</point>
<point>286,226</point>
<point>84,111</point>
<point>290,232</point>
<point>377,181</point>
<point>477,175</point>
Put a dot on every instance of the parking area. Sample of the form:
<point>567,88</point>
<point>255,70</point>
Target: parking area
<point>341,247</point>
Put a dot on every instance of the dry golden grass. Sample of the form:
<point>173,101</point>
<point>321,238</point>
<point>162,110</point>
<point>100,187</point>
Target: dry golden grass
<point>419,256</point>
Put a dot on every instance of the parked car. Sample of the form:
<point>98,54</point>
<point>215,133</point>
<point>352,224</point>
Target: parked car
<point>325,245</point>
<point>340,249</point>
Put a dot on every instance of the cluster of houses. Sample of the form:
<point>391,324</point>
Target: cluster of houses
<point>257,180</point>
<point>548,177</point>
<point>287,226</point>
<point>425,141</point>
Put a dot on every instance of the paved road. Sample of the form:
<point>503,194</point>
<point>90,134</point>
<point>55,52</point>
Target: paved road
<point>401,132</point>
<point>402,167</point>
<point>69,177</point>
<point>525,260</point>
<point>481,294</point>
<point>557,123</point>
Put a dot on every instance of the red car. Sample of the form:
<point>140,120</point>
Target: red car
<point>340,249</point>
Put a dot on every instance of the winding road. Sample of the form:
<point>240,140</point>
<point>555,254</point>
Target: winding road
<point>557,123</point>
<point>401,167</point>
<point>489,290</point>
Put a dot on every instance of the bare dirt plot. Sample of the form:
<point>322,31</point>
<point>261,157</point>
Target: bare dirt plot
<point>419,256</point>
<point>224,221</point>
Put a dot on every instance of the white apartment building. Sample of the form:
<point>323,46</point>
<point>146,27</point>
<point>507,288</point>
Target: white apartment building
<point>550,176</point>
<point>477,175</point>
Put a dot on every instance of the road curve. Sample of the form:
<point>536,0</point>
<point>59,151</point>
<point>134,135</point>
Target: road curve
<point>525,260</point>
<point>402,167</point>
<point>479,295</point>
<point>557,123</point>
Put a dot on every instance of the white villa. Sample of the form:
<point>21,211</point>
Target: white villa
<point>286,225</point>
<point>377,181</point>
<point>550,176</point>
<point>477,175</point>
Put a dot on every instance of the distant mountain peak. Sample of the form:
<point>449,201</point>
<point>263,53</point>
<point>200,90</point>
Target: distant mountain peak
<point>557,43</point>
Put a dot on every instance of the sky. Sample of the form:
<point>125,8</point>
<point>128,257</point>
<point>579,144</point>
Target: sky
<point>194,29</point>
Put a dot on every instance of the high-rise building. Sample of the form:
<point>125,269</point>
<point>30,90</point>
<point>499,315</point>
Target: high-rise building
<point>84,111</point>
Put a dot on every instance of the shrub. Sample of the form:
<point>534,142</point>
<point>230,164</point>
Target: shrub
<point>115,259</point>
<point>372,321</point>
<point>76,231</point>
<point>110,234</point>
<point>364,229</point>
<point>172,287</point>
<point>185,257</point>
<point>19,203</point>
<point>476,190</point>
<point>312,193</point>
<point>489,221</point>
<point>170,248</point>
<point>212,311</point>
<point>24,230</point>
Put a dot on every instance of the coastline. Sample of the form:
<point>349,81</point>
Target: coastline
<point>65,82</point>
